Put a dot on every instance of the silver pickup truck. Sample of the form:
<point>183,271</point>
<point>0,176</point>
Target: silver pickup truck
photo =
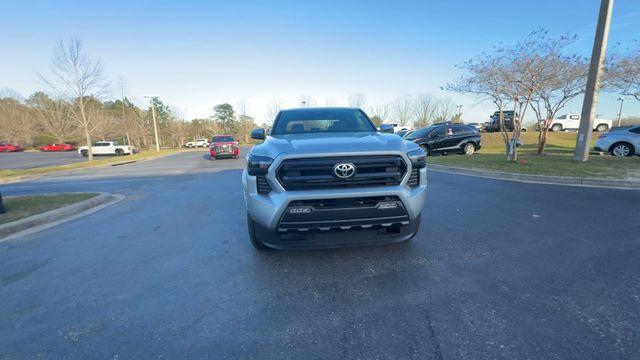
<point>326,177</point>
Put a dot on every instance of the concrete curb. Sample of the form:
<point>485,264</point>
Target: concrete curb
<point>540,179</point>
<point>45,220</point>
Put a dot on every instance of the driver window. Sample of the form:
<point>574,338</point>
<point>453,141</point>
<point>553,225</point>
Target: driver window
<point>437,133</point>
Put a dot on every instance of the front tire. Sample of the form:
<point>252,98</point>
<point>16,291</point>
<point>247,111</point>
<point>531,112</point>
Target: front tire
<point>556,127</point>
<point>84,153</point>
<point>119,152</point>
<point>469,149</point>
<point>602,128</point>
<point>253,237</point>
<point>622,149</point>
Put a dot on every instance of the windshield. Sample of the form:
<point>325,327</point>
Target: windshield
<point>420,133</point>
<point>301,121</point>
<point>223,139</point>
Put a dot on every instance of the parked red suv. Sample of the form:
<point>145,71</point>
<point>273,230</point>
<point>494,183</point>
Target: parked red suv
<point>224,146</point>
<point>57,147</point>
<point>4,147</point>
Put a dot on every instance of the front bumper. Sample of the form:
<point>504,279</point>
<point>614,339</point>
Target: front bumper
<point>267,209</point>
<point>602,145</point>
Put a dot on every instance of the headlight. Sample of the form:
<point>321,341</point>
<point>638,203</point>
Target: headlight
<point>258,165</point>
<point>418,158</point>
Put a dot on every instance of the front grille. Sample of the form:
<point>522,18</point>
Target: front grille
<point>262,185</point>
<point>414,178</point>
<point>343,213</point>
<point>317,173</point>
<point>223,148</point>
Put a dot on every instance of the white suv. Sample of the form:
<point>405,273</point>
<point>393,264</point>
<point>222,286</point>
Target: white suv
<point>572,122</point>
<point>624,141</point>
<point>198,143</point>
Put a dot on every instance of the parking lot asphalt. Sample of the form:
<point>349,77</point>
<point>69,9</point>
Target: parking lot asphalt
<point>499,269</point>
<point>29,160</point>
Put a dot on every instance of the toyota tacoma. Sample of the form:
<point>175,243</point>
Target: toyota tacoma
<point>326,177</point>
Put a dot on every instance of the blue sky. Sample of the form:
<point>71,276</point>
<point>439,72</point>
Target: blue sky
<point>195,54</point>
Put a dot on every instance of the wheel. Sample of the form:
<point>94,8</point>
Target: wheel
<point>602,128</point>
<point>251,227</point>
<point>119,152</point>
<point>523,130</point>
<point>84,153</point>
<point>556,127</point>
<point>469,149</point>
<point>622,149</point>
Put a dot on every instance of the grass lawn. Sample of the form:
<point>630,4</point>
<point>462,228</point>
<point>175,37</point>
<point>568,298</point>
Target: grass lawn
<point>557,160</point>
<point>19,207</point>
<point>6,175</point>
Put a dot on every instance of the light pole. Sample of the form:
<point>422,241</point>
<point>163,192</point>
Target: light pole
<point>590,101</point>
<point>459,112</point>
<point>621,99</point>
<point>155,123</point>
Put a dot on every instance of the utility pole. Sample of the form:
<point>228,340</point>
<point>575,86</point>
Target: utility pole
<point>581,152</point>
<point>155,123</point>
<point>621,99</point>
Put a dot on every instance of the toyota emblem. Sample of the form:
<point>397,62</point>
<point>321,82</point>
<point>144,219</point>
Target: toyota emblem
<point>344,170</point>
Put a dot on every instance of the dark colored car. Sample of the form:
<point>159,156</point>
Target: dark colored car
<point>402,133</point>
<point>57,147</point>
<point>4,147</point>
<point>493,125</point>
<point>447,138</point>
<point>224,146</point>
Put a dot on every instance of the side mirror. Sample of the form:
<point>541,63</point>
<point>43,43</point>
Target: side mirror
<point>386,128</point>
<point>258,134</point>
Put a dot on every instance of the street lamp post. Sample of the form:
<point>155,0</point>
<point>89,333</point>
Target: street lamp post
<point>590,101</point>
<point>621,99</point>
<point>155,123</point>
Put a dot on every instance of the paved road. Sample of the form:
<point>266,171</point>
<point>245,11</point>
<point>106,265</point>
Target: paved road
<point>499,270</point>
<point>29,160</point>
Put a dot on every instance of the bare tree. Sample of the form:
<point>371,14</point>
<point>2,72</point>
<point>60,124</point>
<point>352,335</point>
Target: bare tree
<point>272,111</point>
<point>16,125</point>
<point>78,78</point>
<point>357,100</point>
<point>445,109</point>
<point>511,74</point>
<point>54,116</point>
<point>404,110</point>
<point>623,75</point>
<point>562,79</point>
<point>426,108</point>
<point>246,122</point>
<point>307,101</point>
<point>486,77</point>
<point>330,102</point>
<point>379,113</point>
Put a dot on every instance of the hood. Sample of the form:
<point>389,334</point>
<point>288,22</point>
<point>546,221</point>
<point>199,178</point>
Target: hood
<point>319,143</point>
